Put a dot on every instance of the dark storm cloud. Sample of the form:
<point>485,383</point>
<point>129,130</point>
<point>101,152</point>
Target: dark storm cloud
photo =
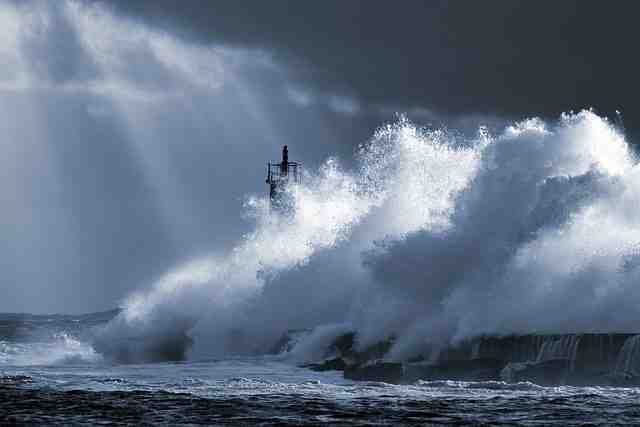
<point>80,237</point>
<point>499,57</point>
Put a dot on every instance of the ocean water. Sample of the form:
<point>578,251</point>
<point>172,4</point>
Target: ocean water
<point>432,236</point>
<point>534,229</point>
<point>49,374</point>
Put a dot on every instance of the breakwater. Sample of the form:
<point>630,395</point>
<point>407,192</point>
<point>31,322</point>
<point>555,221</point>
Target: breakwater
<point>545,359</point>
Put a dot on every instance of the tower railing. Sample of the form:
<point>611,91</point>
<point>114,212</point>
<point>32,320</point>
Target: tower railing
<point>279,173</point>
<point>280,177</point>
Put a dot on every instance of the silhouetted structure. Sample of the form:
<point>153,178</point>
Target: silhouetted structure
<point>279,176</point>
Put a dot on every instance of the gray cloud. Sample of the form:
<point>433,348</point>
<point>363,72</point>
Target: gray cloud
<point>456,57</point>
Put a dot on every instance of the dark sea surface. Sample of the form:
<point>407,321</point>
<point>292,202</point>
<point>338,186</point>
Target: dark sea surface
<point>50,375</point>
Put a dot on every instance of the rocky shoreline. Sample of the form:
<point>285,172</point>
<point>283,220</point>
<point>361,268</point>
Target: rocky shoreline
<point>543,359</point>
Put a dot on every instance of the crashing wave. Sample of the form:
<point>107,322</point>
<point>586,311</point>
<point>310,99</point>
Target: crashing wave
<point>430,240</point>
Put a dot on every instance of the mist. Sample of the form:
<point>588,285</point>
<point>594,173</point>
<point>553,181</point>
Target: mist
<point>430,240</point>
<point>134,176</point>
<point>127,150</point>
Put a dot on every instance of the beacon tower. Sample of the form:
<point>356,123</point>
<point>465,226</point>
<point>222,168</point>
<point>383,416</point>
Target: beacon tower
<point>280,177</point>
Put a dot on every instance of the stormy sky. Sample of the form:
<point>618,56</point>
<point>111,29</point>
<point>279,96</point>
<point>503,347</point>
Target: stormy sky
<point>454,57</point>
<point>132,131</point>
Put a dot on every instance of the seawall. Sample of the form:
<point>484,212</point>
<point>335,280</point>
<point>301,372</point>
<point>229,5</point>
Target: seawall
<point>546,359</point>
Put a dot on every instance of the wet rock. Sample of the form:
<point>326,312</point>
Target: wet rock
<point>623,379</point>
<point>546,359</point>
<point>345,346</point>
<point>344,343</point>
<point>335,364</point>
<point>389,372</point>
<point>548,372</point>
<point>288,340</point>
<point>459,370</point>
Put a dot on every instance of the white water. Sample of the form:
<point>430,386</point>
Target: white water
<point>431,238</point>
<point>629,358</point>
<point>61,349</point>
<point>395,176</point>
<point>562,348</point>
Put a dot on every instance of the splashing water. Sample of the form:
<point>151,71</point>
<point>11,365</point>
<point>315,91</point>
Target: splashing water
<point>61,349</point>
<point>629,357</point>
<point>327,208</point>
<point>431,240</point>
<point>215,286</point>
